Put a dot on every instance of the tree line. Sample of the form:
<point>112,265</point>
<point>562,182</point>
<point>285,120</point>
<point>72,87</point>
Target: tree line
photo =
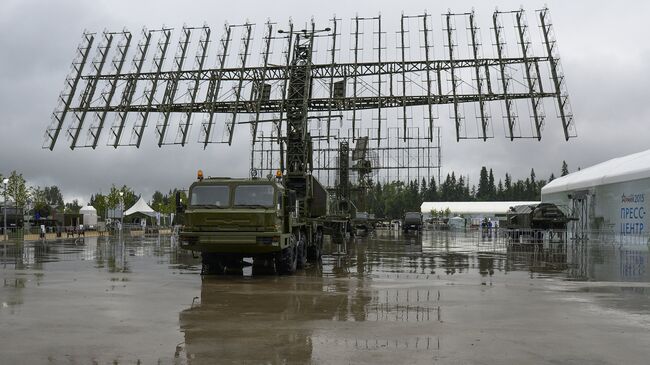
<point>45,201</point>
<point>391,200</point>
<point>160,202</point>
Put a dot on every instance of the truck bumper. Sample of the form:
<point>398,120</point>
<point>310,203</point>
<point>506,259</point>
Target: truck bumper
<point>246,243</point>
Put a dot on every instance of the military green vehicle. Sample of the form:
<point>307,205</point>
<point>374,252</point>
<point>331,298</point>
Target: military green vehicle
<point>228,219</point>
<point>531,221</point>
<point>412,222</point>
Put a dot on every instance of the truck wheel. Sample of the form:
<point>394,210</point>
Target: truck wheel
<point>233,263</point>
<point>287,260</point>
<point>212,264</point>
<point>219,264</point>
<point>314,250</point>
<point>313,253</point>
<point>302,253</point>
<point>351,230</point>
<point>263,265</point>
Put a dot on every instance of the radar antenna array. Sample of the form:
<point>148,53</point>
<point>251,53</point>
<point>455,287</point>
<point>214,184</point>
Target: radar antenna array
<point>293,95</point>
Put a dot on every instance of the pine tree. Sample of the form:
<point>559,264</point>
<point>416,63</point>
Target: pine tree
<point>423,190</point>
<point>507,187</point>
<point>452,187</point>
<point>500,191</point>
<point>483,191</point>
<point>565,169</point>
<point>532,187</point>
<point>433,191</point>
<point>460,189</point>
<point>491,188</point>
<point>444,189</point>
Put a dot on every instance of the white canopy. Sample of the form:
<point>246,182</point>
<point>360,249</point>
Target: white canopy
<point>626,168</point>
<point>472,207</point>
<point>88,209</point>
<point>140,207</point>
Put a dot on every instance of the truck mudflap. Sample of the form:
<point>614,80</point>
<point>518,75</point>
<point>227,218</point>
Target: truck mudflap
<point>245,243</point>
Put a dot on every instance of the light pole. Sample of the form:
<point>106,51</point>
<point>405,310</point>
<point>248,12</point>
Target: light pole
<point>5,181</point>
<point>121,210</point>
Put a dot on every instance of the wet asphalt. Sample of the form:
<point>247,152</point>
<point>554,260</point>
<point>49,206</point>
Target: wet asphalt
<point>437,297</point>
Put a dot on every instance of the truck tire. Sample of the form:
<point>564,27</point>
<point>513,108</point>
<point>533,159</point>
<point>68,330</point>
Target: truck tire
<point>302,252</point>
<point>286,261</point>
<point>263,264</point>
<point>314,251</point>
<point>219,264</point>
<point>212,264</point>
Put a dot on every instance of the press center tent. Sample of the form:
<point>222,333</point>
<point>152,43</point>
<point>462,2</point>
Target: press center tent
<point>617,170</point>
<point>608,197</point>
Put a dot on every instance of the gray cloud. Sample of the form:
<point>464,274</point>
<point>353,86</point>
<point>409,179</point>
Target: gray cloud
<point>604,53</point>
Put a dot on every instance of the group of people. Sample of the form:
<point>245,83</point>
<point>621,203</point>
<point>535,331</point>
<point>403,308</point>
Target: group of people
<point>70,231</point>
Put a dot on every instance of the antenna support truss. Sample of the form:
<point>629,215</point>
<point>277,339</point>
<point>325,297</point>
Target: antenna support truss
<point>291,85</point>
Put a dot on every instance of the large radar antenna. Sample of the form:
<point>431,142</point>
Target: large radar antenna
<point>369,88</point>
<point>302,90</point>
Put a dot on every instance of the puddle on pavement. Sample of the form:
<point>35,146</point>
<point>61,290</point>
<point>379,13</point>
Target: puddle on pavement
<point>386,294</point>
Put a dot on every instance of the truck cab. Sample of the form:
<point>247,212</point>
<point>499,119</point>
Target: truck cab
<point>228,219</point>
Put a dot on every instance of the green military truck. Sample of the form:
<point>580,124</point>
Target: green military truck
<point>228,219</point>
<point>531,222</point>
<point>412,222</point>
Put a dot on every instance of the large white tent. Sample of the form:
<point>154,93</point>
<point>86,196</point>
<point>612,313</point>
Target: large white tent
<point>608,196</point>
<point>473,212</point>
<point>89,215</point>
<point>140,206</point>
<point>473,208</point>
<point>617,170</point>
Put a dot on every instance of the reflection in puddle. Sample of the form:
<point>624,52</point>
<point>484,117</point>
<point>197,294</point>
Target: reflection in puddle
<point>382,255</point>
<point>385,294</point>
<point>111,253</point>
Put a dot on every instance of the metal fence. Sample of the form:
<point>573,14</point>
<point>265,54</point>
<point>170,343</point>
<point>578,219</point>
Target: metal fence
<point>12,234</point>
<point>554,236</point>
<point>20,234</point>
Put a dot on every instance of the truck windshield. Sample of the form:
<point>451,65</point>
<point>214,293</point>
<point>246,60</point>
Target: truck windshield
<point>254,195</point>
<point>213,195</point>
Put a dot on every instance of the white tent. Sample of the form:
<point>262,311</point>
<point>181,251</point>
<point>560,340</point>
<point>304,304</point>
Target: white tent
<point>456,222</point>
<point>472,208</point>
<point>140,207</point>
<point>89,216</point>
<point>617,170</point>
<point>609,196</point>
<point>88,209</point>
<point>473,212</point>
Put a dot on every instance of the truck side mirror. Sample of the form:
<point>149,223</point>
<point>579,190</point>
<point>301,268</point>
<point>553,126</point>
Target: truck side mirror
<point>180,208</point>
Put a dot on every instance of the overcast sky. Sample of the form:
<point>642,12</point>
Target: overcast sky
<point>603,45</point>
